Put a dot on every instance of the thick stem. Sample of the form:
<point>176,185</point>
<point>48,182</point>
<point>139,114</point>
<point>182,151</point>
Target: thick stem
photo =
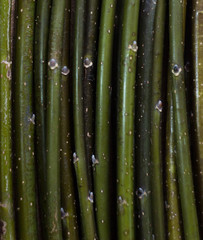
<point>24,120</point>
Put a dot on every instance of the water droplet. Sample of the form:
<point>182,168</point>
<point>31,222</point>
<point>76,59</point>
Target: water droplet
<point>159,106</point>
<point>133,46</point>
<point>64,214</point>
<point>91,197</point>
<point>94,160</point>
<point>75,158</point>
<point>109,31</point>
<point>140,193</point>
<point>52,64</point>
<point>176,70</point>
<point>65,71</point>
<point>87,63</point>
<point>32,119</point>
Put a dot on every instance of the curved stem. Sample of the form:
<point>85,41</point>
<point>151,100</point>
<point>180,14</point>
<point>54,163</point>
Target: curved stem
<point>183,159</point>
<point>80,161</point>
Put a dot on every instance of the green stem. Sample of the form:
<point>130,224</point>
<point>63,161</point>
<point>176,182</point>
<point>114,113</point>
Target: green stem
<point>156,123</point>
<point>53,205</point>
<point>24,120</point>
<point>197,54</point>
<point>183,159</point>
<point>90,63</point>
<point>173,208</point>
<point>40,72</point>
<point>125,127</point>
<point>143,118</point>
<point>68,198</point>
<point>80,161</point>
<point>102,132</point>
<point>7,221</point>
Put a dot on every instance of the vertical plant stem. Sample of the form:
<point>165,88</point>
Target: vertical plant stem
<point>197,54</point>
<point>143,118</point>
<point>53,216</point>
<point>103,112</point>
<point>40,72</point>
<point>173,208</point>
<point>24,120</point>
<point>80,161</point>
<point>125,127</point>
<point>7,220</point>
<point>90,63</point>
<point>183,159</point>
<point>68,198</point>
<point>156,123</point>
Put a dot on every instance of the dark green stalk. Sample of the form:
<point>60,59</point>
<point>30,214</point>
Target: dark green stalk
<point>68,198</point>
<point>103,112</point>
<point>7,221</point>
<point>156,123</point>
<point>24,120</point>
<point>197,54</point>
<point>90,63</point>
<point>79,158</point>
<point>53,205</point>
<point>125,127</point>
<point>173,208</point>
<point>40,72</point>
<point>143,118</point>
<point>183,159</point>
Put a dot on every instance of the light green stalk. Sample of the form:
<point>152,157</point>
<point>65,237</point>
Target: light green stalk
<point>7,220</point>
<point>125,126</point>
<point>102,132</point>
<point>183,159</point>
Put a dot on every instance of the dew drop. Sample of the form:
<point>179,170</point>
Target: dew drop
<point>65,71</point>
<point>94,160</point>
<point>87,63</point>
<point>140,193</point>
<point>75,158</point>
<point>52,64</point>
<point>133,46</point>
<point>176,70</point>
<point>159,106</point>
<point>91,197</point>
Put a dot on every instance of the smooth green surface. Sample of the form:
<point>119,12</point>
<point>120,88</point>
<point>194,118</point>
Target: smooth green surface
<point>156,123</point>
<point>197,54</point>
<point>6,173</point>
<point>125,123</point>
<point>68,189</point>
<point>143,119</point>
<point>53,204</point>
<point>174,230</point>
<point>40,76</point>
<point>102,131</point>
<point>80,161</point>
<point>183,159</point>
<point>24,120</point>
<point>89,83</point>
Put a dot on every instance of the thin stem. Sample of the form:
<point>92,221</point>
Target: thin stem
<point>7,220</point>
<point>80,161</point>
<point>183,159</point>
<point>53,204</point>
<point>125,126</point>
<point>103,115</point>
